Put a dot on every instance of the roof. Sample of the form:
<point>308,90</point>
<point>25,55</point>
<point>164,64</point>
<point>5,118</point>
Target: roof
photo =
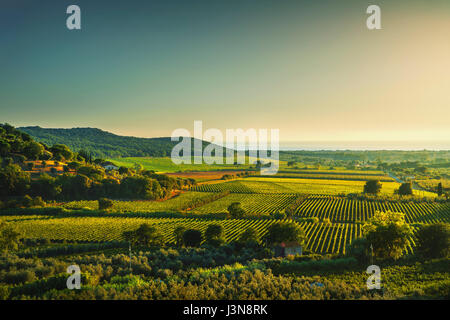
<point>289,244</point>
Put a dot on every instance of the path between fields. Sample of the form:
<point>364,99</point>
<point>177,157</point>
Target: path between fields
<point>414,185</point>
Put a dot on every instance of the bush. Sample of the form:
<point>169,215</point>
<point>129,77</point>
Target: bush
<point>38,202</point>
<point>235,210</point>
<point>4,292</point>
<point>284,232</point>
<point>18,277</point>
<point>388,233</point>
<point>405,189</point>
<point>104,204</point>
<point>213,232</point>
<point>27,201</point>
<point>192,238</point>
<point>178,232</point>
<point>433,241</point>
<point>359,249</point>
<point>372,187</point>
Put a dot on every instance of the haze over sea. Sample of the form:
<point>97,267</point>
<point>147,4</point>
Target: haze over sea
<point>366,145</point>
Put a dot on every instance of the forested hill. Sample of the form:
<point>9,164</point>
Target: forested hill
<point>102,143</point>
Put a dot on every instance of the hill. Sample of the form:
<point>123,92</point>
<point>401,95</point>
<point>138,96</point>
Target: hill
<point>102,143</point>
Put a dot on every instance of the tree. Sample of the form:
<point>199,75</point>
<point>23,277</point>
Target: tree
<point>360,250</point>
<point>33,150</point>
<point>178,232</point>
<point>9,238</point>
<point>439,189</point>
<point>145,235</point>
<point>405,189</point>
<point>235,210</point>
<point>13,181</point>
<point>138,167</point>
<point>372,187</point>
<point>192,238</point>
<point>249,235</point>
<point>30,166</point>
<point>26,201</point>
<point>433,241</point>
<point>104,204</point>
<point>124,170</point>
<point>61,152</point>
<point>388,233</point>
<point>74,165</point>
<point>284,232</point>
<point>214,234</point>
<point>291,163</point>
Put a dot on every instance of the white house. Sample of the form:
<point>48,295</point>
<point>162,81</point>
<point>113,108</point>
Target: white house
<point>108,165</point>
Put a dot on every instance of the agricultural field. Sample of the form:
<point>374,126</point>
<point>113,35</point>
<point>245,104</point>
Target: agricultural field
<point>202,176</point>
<point>165,165</point>
<point>322,238</point>
<point>173,204</point>
<point>253,204</point>
<point>290,185</point>
<point>336,176</point>
<point>339,209</point>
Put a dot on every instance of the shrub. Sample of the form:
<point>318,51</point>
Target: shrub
<point>235,210</point>
<point>104,204</point>
<point>213,232</point>
<point>18,277</point>
<point>178,232</point>
<point>405,189</point>
<point>284,232</point>
<point>359,249</point>
<point>192,238</point>
<point>388,233</point>
<point>27,201</point>
<point>372,187</point>
<point>433,241</point>
<point>38,202</point>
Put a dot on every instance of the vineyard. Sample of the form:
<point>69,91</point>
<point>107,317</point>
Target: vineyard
<point>339,209</point>
<point>288,185</point>
<point>297,185</point>
<point>174,204</point>
<point>330,176</point>
<point>253,204</point>
<point>322,238</point>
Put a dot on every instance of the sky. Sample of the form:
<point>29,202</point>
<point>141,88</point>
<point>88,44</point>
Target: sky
<point>311,69</point>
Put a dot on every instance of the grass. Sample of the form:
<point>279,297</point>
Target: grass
<point>253,204</point>
<point>143,206</point>
<point>165,164</point>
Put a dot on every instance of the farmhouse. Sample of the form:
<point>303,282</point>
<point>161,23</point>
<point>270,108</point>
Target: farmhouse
<point>284,249</point>
<point>108,165</point>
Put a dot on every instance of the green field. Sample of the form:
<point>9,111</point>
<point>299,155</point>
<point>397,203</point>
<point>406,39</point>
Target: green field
<point>142,206</point>
<point>166,165</point>
<point>253,204</point>
<point>339,209</point>
<point>293,185</point>
<point>322,238</point>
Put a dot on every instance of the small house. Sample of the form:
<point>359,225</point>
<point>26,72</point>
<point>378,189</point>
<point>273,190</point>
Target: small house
<point>285,249</point>
<point>108,165</point>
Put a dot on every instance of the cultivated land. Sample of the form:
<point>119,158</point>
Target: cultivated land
<point>165,164</point>
<point>326,201</point>
<point>261,198</point>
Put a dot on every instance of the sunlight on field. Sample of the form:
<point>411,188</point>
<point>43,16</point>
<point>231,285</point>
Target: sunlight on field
<point>166,165</point>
